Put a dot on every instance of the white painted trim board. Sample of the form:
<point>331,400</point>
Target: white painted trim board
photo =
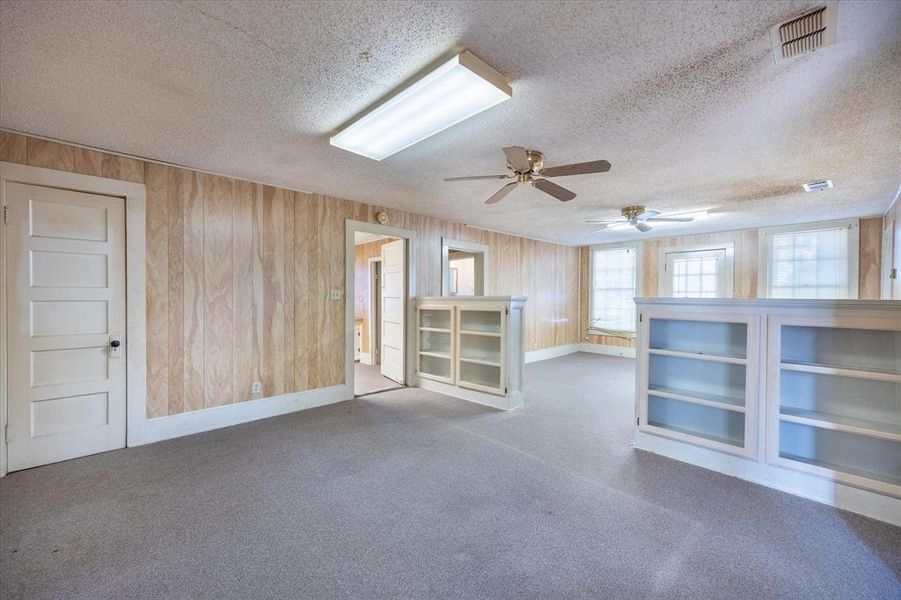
<point>227,415</point>
<point>565,349</point>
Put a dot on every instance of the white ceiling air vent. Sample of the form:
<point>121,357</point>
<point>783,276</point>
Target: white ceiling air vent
<point>821,185</point>
<point>806,33</point>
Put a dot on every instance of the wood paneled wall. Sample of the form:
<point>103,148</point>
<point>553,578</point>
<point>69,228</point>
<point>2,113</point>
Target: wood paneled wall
<point>362,254</point>
<point>744,273</point>
<point>239,275</point>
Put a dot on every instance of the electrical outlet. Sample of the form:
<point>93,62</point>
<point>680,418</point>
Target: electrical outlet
<point>335,295</point>
<point>257,388</point>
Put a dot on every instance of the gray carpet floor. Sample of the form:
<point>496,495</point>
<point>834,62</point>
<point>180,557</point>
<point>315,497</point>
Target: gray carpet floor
<point>369,379</point>
<point>410,494</point>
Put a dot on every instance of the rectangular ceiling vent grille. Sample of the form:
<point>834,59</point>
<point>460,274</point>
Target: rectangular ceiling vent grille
<point>806,33</point>
<point>803,34</point>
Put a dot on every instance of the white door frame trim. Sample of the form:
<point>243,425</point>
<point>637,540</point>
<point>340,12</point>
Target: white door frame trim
<point>373,298</point>
<point>481,263</point>
<point>351,227</point>
<point>135,195</point>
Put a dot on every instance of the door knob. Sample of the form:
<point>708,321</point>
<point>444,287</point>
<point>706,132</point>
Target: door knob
<point>115,343</point>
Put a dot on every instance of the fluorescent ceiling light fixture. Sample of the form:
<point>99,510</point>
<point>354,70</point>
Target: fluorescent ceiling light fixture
<point>456,90</point>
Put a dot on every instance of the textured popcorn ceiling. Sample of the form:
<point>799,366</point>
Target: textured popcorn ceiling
<point>684,99</point>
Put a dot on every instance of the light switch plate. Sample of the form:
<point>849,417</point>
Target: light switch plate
<point>257,387</point>
<point>335,294</point>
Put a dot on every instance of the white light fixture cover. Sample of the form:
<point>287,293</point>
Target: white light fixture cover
<point>456,90</point>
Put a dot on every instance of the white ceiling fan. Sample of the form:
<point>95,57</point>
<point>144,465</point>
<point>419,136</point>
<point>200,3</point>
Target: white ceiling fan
<point>527,165</point>
<point>637,217</point>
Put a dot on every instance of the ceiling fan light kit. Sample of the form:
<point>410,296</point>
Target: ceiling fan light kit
<point>527,168</point>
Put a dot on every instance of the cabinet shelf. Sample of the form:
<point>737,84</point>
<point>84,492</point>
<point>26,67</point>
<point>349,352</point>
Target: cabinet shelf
<point>435,354</point>
<point>822,464</point>
<point>481,333</point>
<point>825,369</point>
<point>705,420</point>
<point>885,431</point>
<point>704,399</point>
<point>435,329</point>
<point>691,433</point>
<point>479,361</point>
<point>734,360</point>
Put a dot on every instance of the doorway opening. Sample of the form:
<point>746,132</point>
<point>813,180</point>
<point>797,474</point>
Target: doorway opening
<point>464,268</point>
<point>379,299</point>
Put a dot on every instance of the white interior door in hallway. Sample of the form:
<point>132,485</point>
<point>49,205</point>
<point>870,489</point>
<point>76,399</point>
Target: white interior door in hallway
<point>394,296</point>
<point>66,324</point>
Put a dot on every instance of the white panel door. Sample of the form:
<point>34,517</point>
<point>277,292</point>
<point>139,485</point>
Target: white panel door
<point>394,298</point>
<point>66,307</point>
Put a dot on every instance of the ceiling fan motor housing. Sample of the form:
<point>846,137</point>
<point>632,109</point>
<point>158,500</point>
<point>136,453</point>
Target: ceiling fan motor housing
<point>632,212</point>
<point>536,161</point>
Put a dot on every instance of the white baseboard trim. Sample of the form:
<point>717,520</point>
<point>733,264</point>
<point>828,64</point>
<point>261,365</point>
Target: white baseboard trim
<point>812,487</point>
<point>515,400</point>
<point>552,352</point>
<point>564,349</point>
<point>608,350</point>
<point>173,426</point>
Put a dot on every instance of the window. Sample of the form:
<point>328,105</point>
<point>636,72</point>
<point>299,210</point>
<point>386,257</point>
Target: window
<point>810,261</point>
<point>697,272</point>
<point>613,285</point>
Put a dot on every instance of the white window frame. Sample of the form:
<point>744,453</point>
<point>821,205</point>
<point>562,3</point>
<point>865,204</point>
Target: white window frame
<point>765,243</point>
<point>637,248</point>
<point>726,274</point>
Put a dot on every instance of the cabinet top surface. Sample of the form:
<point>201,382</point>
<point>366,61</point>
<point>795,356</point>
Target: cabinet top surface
<point>768,303</point>
<point>461,299</point>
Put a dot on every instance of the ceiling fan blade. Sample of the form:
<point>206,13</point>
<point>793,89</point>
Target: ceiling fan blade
<point>499,195</point>
<point>620,225</point>
<point>672,219</point>
<point>648,214</point>
<point>598,222</point>
<point>594,166</point>
<point>600,229</point>
<point>474,177</point>
<point>518,159</point>
<point>558,192</point>
<point>642,227</point>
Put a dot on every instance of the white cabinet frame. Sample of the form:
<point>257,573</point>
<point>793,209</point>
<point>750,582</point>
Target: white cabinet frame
<point>750,363</point>
<point>501,310</point>
<point>774,370</point>
<point>450,333</point>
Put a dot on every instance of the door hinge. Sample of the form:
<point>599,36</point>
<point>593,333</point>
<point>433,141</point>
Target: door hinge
<point>638,420</point>
<point>5,214</point>
<point>6,434</point>
<point>505,389</point>
<point>640,317</point>
<point>893,274</point>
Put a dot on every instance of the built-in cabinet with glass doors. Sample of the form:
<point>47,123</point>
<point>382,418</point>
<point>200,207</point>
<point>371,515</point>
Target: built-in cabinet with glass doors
<point>806,393</point>
<point>473,346</point>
